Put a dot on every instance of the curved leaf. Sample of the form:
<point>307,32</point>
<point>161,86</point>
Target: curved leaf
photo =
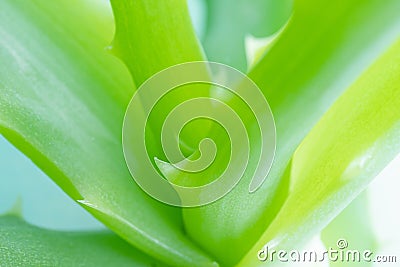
<point>228,25</point>
<point>62,102</point>
<point>22,244</point>
<point>150,37</point>
<point>323,49</point>
<point>153,35</point>
<point>44,203</point>
<point>351,144</point>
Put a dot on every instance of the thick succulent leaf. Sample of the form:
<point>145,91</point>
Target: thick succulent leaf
<point>22,244</point>
<point>153,35</point>
<point>44,203</point>
<point>350,145</point>
<point>62,100</point>
<point>150,37</point>
<point>323,49</point>
<point>228,25</point>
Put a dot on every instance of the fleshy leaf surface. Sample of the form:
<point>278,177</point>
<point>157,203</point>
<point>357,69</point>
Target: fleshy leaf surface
<point>321,52</point>
<point>153,35</point>
<point>62,100</point>
<point>44,203</point>
<point>349,146</point>
<point>150,37</point>
<point>22,244</point>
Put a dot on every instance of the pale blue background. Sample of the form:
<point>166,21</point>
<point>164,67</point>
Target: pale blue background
<point>43,202</point>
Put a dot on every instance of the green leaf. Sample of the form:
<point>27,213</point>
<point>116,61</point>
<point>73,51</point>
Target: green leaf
<point>21,179</point>
<point>62,100</point>
<point>22,244</point>
<point>153,35</point>
<point>348,147</point>
<point>228,25</point>
<point>323,49</point>
<point>368,223</point>
<point>150,37</point>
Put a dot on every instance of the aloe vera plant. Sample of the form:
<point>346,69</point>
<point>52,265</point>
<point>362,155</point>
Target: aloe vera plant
<point>330,71</point>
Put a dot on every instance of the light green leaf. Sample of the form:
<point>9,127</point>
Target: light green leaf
<point>150,37</point>
<point>21,179</point>
<point>153,35</point>
<point>62,100</point>
<point>22,244</point>
<point>369,223</point>
<point>228,25</point>
<point>348,147</point>
<point>324,48</point>
<point>257,47</point>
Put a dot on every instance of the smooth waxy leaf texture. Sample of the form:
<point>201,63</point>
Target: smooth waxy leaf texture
<point>153,35</point>
<point>62,100</point>
<point>348,147</point>
<point>22,244</point>
<point>150,37</point>
<point>323,49</point>
<point>21,179</point>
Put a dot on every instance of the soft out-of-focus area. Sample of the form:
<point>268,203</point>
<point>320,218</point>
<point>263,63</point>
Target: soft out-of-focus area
<point>371,222</point>
<point>237,25</point>
<point>24,186</point>
<point>384,200</point>
<point>375,213</point>
<point>42,202</point>
<point>45,204</point>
